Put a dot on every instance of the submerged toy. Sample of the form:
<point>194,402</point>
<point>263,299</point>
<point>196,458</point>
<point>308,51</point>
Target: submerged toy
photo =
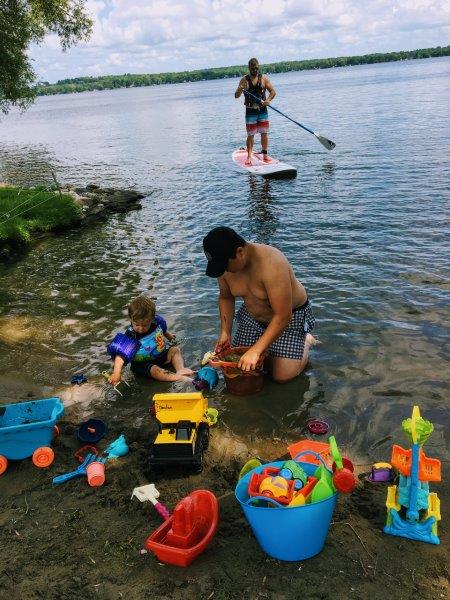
<point>78,379</point>
<point>206,379</point>
<point>183,421</point>
<point>27,429</point>
<point>419,522</point>
<point>106,375</point>
<point>186,534</point>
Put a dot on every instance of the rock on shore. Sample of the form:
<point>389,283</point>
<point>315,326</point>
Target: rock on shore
<point>96,202</point>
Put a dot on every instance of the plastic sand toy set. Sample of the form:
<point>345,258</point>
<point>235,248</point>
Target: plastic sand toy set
<point>288,504</point>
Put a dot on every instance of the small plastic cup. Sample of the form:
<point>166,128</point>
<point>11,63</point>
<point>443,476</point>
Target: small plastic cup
<point>95,472</point>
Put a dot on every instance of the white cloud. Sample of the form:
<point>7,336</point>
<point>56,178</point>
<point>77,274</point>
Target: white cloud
<point>138,36</point>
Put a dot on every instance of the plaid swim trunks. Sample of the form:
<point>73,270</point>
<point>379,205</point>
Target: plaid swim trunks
<point>256,120</point>
<point>290,344</point>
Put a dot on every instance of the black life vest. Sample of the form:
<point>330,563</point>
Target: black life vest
<point>256,90</point>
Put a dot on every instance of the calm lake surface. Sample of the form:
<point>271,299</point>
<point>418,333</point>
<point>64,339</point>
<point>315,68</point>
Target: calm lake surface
<point>365,227</point>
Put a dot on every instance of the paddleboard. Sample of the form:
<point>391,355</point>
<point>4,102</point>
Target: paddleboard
<point>274,168</point>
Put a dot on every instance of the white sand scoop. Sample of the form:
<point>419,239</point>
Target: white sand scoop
<point>149,492</point>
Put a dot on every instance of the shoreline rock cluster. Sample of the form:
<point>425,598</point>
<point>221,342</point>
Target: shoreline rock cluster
<point>95,203</point>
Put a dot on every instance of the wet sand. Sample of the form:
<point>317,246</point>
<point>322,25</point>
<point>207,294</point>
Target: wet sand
<point>73,541</point>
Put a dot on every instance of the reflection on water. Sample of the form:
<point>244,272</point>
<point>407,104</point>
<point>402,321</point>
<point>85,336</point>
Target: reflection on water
<point>262,212</point>
<point>365,229</point>
<point>28,166</point>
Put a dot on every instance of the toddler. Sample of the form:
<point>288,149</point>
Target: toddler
<point>150,355</point>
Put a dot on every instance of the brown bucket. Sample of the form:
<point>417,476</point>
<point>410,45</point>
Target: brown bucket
<point>238,382</point>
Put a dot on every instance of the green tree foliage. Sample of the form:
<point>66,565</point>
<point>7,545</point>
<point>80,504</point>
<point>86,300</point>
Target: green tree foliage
<point>23,22</point>
<point>84,84</point>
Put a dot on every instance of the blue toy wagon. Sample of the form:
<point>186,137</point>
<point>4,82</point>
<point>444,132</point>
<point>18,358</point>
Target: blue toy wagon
<point>27,429</point>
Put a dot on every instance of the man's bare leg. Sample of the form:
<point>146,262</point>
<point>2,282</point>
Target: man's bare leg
<point>286,369</point>
<point>249,150</point>
<point>265,146</point>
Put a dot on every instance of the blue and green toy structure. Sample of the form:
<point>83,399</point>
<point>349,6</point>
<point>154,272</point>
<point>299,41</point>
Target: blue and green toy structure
<point>412,510</point>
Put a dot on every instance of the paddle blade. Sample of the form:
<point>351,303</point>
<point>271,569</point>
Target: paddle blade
<point>328,144</point>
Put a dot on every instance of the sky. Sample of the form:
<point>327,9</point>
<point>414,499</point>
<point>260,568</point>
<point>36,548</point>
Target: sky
<point>156,36</point>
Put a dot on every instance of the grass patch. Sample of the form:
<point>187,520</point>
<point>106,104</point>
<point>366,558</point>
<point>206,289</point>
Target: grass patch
<point>24,211</point>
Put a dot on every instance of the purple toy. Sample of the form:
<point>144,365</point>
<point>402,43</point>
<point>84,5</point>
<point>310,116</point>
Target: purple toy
<point>381,473</point>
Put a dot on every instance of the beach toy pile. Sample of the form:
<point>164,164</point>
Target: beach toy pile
<point>412,510</point>
<point>92,465</point>
<point>289,504</point>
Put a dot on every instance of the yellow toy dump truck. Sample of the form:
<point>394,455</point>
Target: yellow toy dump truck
<point>183,430</point>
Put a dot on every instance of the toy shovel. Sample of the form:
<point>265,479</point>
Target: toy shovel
<point>79,472</point>
<point>149,492</point>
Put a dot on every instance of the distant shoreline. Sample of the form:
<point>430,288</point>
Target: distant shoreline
<point>109,82</point>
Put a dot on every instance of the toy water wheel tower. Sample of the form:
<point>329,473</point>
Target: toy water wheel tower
<point>412,510</point>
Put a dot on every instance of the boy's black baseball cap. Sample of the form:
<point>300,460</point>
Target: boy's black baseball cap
<point>220,245</point>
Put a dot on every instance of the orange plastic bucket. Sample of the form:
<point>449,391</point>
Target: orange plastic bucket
<point>238,382</point>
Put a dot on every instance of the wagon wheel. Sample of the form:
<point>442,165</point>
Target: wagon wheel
<point>3,464</point>
<point>43,457</point>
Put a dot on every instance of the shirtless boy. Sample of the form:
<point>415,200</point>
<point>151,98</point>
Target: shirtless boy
<point>276,315</point>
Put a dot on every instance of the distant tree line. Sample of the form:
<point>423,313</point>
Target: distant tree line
<point>108,82</point>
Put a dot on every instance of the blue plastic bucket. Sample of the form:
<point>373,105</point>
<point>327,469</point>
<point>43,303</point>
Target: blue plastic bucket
<point>287,533</point>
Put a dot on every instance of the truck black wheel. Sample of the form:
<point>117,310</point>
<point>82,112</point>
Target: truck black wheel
<point>198,454</point>
<point>203,433</point>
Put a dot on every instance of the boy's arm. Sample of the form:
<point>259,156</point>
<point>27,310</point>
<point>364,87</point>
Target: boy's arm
<point>226,311</point>
<point>116,375</point>
<point>169,336</point>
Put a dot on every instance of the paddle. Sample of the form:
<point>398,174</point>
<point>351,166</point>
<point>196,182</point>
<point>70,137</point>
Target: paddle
<point>328,144</point>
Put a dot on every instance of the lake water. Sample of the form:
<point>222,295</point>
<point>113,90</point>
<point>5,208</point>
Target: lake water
<point>366,228</point>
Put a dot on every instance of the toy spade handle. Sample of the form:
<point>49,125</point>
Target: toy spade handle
<point>162,511</point>
<point>335,452</point>
<point>68,476</point>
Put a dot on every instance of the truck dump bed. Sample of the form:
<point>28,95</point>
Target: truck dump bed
<point>172,408</point>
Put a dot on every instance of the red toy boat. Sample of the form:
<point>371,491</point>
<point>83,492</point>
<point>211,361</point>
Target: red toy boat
<point>188,531</point>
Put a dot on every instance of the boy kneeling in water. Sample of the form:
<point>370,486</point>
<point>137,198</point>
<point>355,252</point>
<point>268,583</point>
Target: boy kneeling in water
<point>153,355</point>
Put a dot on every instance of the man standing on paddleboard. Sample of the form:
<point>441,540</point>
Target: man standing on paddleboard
<point>254,87</point>
<point>276,316</point>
